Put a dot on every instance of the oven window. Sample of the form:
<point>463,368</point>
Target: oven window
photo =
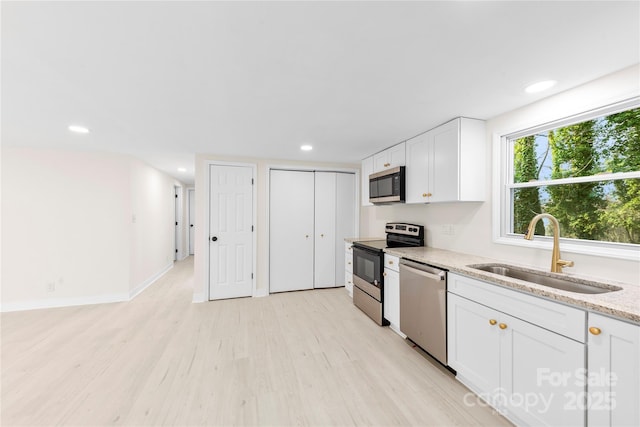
<point>367,265</point>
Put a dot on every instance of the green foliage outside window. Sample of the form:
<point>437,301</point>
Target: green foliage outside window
<point>604,210</point>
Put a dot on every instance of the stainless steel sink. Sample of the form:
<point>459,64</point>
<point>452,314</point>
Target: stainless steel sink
<point>552,280</point>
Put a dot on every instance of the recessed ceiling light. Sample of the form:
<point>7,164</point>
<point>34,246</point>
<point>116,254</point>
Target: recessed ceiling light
<point>540,86</point>
<point>78,129</point>
<point>306,147</point>
<point>182,169</point>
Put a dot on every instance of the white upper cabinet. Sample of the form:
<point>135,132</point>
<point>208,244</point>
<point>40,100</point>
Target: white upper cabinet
<point>446,164</point>
<point>367,169</point>
<point>389,158</point>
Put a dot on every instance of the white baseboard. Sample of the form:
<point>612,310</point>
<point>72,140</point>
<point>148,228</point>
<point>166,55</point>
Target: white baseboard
<point>144,285</point>
<point>88,300</point>
<point>63,302</point>
<point>396,329</point>
<point>262,292</point>
<point>198,297</point>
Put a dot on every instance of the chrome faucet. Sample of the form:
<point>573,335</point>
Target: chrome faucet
<point>556,262</point>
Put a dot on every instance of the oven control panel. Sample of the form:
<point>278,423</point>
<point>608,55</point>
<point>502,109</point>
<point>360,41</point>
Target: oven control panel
<point>403,228</point>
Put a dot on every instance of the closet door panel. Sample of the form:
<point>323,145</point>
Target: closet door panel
<point>291,230</point>
<point>345,218</point>
<point>325,230</point>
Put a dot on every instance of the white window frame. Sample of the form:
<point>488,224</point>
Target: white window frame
<point>503,184</point>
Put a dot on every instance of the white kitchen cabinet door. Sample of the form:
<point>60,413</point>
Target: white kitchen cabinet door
<point>443,164</point>
<point>389,158</point>
<point>417,172</point>
<point>291,230</point>
<point>613,350</point>
<point>345,219</point>
<point>392,298</point>
<point>325,230</point>
<point>473,344</point>
<point>541,367</point>
<point>367,169</point>
<point>348,282</point>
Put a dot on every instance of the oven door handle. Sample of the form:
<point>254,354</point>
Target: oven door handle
<point>439,276</point>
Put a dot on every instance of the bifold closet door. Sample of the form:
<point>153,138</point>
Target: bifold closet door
<point>345,219</point>
<point>325,230</point>
<point>291,230</point>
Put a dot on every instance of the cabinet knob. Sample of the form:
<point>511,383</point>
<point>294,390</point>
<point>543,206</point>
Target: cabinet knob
<point>349,262</point>
<point>502,326</point>
<point>429,194</point>
<point>390,262</point>
<point>322,235</point>
<point>386,165</point>
<point>595,331</point>
<point>492,322</point>
<point>424,194</point>
<point>384,274</point>
<point>306,236</point>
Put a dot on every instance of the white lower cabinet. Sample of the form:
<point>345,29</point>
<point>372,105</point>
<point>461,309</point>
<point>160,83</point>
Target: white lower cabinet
<point>392,298</point>
<point>530,374</point>
<point>613,350</point>
<point>348,268</point>
<point>391,305</point>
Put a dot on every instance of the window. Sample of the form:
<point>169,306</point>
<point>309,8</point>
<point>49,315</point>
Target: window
<point>584,171</point>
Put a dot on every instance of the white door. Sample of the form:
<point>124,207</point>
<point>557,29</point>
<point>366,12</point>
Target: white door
<point>291,210</point>
<point>325,230</point>
<point>345,219</point>
<point>230,232</point>
<point>192,218</point>
<point>176,231</point>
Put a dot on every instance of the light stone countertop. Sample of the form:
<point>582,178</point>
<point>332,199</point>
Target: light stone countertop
<point>362,239</point>
<point>623,304</point>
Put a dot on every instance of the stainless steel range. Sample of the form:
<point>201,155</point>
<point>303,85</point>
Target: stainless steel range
<point>368,266</point>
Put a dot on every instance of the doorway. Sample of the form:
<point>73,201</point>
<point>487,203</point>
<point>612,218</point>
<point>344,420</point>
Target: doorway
<point>191,195</point>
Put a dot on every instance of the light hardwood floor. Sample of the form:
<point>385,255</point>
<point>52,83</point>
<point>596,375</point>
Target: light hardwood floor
<point>300,358</point>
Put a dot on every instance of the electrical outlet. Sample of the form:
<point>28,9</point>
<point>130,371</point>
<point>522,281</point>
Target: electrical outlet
<point>51,287</point>
<point>448,229</point>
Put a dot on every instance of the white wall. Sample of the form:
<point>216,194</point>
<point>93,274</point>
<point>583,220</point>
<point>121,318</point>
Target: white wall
<point>152,234</point>
<point>201,249</point>
<point>473,221</point>
<point>67,221</point>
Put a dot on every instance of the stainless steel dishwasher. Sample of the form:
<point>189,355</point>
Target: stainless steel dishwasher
<point>423,307</point>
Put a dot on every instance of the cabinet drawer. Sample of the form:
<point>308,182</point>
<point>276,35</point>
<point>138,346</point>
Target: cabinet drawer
<point>348,247</point>
<point>348,281</point>
<point>558,318</point>
<point>391,262</point>
<point>348,262</point>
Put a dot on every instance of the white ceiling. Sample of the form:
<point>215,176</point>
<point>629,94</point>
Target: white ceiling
<point>165,80</point>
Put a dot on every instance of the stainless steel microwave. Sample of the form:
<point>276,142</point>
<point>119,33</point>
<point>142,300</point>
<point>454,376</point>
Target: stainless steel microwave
<point>387,186</point>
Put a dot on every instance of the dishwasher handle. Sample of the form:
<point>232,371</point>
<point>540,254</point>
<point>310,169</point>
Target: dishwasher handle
<point>423,270</point>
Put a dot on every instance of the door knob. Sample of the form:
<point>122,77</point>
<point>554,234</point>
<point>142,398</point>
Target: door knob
<point>214,239</point>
